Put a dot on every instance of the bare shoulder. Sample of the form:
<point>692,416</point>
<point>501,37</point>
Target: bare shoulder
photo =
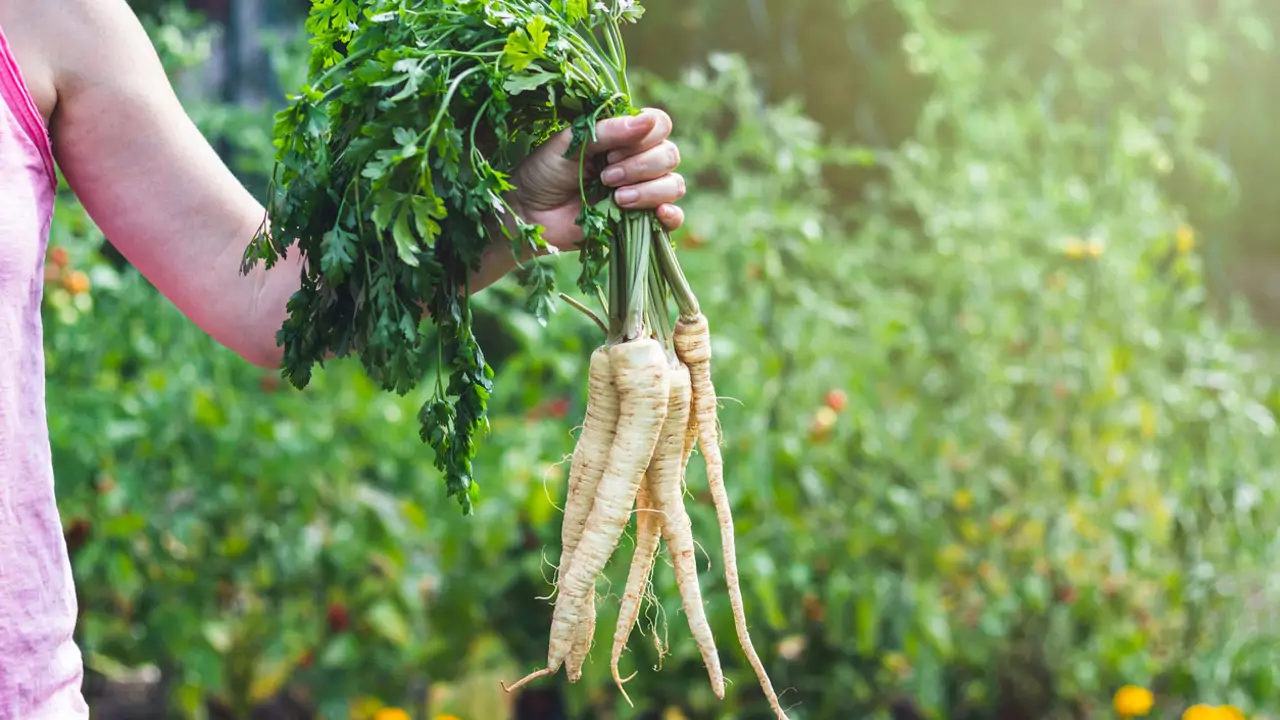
<point>27,27</point>
<point>66,46</point>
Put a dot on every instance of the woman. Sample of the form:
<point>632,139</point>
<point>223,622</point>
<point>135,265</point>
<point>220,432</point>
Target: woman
<point>81,83</point>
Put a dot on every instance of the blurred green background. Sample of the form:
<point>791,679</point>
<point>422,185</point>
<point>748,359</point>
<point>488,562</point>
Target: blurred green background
<point>990,285</point>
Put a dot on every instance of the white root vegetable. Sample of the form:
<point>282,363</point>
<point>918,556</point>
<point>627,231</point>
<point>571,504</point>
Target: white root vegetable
<point>642,380</point>
<point>599,428</point>
<point>692,340</point>
<point>677,529</point>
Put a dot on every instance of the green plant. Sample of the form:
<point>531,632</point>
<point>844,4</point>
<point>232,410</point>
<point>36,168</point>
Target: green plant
<point>394,214</point>
<point>1046,470</point>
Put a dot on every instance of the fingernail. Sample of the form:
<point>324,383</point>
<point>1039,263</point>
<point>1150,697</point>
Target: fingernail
<point>627,196</point>
<point>612,176</point>
<point>635,122</point>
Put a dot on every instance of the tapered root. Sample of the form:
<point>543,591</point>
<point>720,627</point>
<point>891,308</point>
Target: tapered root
<point>677,529</point>
<point>590,456</point>
<point>582,643</point>
<point>693,346</point>
<point>648,535</point>
<point>528,679</point>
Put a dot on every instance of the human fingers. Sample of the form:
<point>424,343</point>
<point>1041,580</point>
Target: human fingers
<point>648,165</point>
<point>649,195</point>
<point>671,216</point>
<point>631,134</point>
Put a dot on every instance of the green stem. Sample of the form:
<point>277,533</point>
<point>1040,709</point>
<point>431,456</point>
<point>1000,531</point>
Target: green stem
<point>659,315</point>
<point>327,74</point>
<point>608,38</point>
<point>674,275</point>
<point>628,283</point>
<point>598,50</point>
<point>603,68</point>
<point>466,53</point>
<point>617,283</point>
<point>582,181</point>
<point>604,302</point>
<point>592,81</point>
<point>614,35</point>
<point>585,311</point>
<point>638,249</point>
<point>444,104</point>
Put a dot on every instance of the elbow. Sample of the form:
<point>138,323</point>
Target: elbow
<point>266,357</point>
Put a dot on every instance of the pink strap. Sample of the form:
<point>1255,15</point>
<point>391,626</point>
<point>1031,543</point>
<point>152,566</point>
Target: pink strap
<point>14,93</point>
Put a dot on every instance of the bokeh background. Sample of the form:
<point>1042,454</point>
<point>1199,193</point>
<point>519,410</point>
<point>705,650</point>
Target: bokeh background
<point>993,287</point>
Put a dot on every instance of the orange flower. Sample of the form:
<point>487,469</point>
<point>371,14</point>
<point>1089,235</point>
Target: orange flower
<point>76,282</point>
<point>58,256</point>
<point>391,713</point>
<point>1133,701</point>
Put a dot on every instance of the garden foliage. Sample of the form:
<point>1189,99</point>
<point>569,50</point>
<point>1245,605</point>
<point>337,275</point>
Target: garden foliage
<point>991,448</point>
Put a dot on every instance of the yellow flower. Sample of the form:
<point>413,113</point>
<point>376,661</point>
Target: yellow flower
<point>391,713</point>
<point>1203,712</point>
<point>1133,701</point>
<point>963,499</point>
<point>1185,239</point>
<point>446,717</point>
<point>1230,712</point>
<point>1075,249</point>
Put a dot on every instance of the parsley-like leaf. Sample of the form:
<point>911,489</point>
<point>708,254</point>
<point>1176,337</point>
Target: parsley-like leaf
<point>527,44</point>
<point>517,84</point>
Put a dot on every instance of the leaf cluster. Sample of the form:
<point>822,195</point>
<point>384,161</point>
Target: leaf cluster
<point>394,178</point>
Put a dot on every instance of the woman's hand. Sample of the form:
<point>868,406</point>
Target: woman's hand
<point>639,163</point>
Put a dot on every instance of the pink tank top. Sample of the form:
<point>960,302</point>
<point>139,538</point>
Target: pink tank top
<point>40,666</point>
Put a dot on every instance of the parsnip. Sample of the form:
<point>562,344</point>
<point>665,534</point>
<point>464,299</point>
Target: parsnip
<point>642,380</point>
<point>598,430</point>
<point>692,338</point>
<point>677,529</point>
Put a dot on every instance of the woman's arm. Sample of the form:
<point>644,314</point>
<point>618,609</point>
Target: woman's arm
<point>163,197</point>
<point>152,183</point>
